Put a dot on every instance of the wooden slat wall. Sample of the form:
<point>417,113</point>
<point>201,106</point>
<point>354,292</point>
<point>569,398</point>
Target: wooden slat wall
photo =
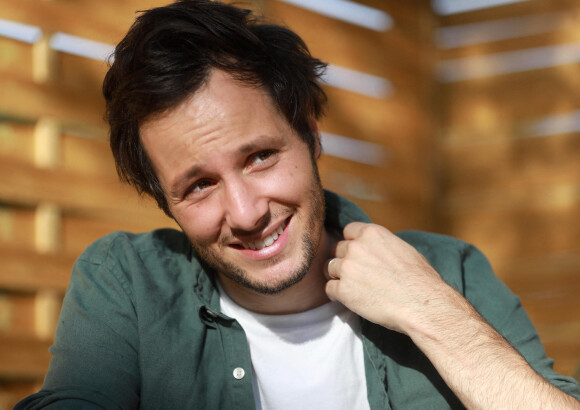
<point>457,161</point>
<point>510,192</point>
<point>58,190</point>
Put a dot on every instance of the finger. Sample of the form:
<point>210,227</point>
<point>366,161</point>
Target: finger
<point>331,289</point>
<point>353,230</point>
<point>340,249</point>
<point>331,270</point>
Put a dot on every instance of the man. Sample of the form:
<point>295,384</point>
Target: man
<point>289,298</point>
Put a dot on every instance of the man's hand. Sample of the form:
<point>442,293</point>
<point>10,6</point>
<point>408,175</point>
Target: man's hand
<point>382,278</point>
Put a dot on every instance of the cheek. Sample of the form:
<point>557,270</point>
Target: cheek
<point>200,223</point>
<point>287,185</point>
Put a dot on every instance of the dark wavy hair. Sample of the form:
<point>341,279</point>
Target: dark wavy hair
<point>169,53</point>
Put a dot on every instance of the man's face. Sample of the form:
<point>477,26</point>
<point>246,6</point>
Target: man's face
<point>240,182</point>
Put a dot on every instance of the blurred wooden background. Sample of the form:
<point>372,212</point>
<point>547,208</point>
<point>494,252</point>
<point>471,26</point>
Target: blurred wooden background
<point>472,120</point>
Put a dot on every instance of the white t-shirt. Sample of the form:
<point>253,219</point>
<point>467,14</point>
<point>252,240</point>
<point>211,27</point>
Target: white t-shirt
<point>308,360</point>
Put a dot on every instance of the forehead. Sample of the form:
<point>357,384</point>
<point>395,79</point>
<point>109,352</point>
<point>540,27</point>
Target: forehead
<point>220,96</point>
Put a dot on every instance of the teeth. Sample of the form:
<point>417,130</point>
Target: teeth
<point>269,240</point>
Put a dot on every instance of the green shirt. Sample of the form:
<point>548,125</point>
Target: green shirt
<point>141,328</point>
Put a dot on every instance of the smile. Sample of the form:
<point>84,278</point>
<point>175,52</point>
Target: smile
<point>267,241</point>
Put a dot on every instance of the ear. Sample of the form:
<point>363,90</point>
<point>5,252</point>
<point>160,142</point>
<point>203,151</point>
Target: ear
<point>314,130</point>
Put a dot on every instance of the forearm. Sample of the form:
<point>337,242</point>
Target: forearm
<point>477,363</point>
<point>386,281</point>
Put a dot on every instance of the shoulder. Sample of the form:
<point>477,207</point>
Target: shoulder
<point>454,259</point>
<point>437,247</point>
<point>134,258</point>
<point>120,244</point>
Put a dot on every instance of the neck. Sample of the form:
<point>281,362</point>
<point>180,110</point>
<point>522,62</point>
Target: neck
<point>307,294</point>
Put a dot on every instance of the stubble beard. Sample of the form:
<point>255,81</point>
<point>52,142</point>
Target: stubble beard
<point>310,242</point>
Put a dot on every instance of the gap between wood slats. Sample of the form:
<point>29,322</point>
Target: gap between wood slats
<point>567,34</point>
<point>508,10</point>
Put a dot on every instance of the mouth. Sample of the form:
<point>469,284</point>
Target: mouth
<point>267,241</point>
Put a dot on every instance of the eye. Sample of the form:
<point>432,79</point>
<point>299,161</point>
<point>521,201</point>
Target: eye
<point>201,185</point>
<point>262,158</point>
<point>199,188</point>
<point>263,155</point>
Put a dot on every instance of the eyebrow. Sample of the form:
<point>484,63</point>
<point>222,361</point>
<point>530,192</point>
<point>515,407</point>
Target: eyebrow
<point>249,147</point>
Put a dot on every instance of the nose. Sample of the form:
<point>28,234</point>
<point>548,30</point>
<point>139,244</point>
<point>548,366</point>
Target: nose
<point>246,209</point>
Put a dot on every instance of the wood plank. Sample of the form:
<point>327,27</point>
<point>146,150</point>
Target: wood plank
<point>29,185</point>
<point>79,231</point>
<point>526,165</point>
<point>17,311</point>
<point>23,98</point>
<point>80,73</point>
<point>88,156</point>
<point>400,122</point>
<point>382,184</point>
<point>518,233</point>
<point>563,265</point>
<point>16,141</point>
<point>12,392</point>
<point>561,343</point>
<point>23,358</point>
<point>16,227</point>
<point>483,109</point>
<point>79,228</point>
<point>397,217</point>
<point>28,271</point>
<point>559,193</point>
<point>551,299</point>
<point>15,57</point>
<point>548,284</point>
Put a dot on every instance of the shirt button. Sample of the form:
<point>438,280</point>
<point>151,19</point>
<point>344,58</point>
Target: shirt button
<point>239,373</point>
